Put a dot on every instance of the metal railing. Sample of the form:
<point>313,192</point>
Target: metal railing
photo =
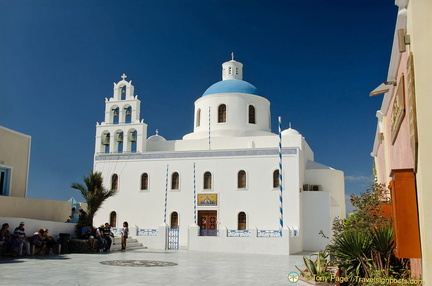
<point>116,231</point>
<point>148,232</point>
<point>209,232</point>
<point>238,233</point>
<point>269,233</point>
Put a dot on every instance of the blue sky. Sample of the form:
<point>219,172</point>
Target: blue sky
<point>316,61</point>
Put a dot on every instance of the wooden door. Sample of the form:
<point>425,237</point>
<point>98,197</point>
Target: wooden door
<point>207,220</point>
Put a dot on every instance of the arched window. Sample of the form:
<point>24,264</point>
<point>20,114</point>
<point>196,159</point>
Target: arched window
<point>144,181</point>
<point>114,182</point>
<point>198,118</point>
<point>128,114</point>
<point>116,115</point>
<point>276,181</point>
<point>174,220</point>
<point>222,113</point>
<point>207,180</point>
<point>252,114</point>
<point>241,221</point>
<point>241,179</point>
<point>175,180</point>
<point>113,219</point>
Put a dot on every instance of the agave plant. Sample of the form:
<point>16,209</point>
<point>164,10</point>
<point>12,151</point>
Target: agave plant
<point>317,267</point>
<point>349,249</point>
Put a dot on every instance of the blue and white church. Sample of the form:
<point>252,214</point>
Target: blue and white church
<point>230,186</point>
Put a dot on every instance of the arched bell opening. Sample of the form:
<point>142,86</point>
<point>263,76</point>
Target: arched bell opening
<point>105,142</point>
<point>119,139</point>
<point>115,115</point>
<point>133,141</point>
<point>128,114</point>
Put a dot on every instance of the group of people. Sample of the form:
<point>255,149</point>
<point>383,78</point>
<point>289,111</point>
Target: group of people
<point>104,236</point>
<point>17,241</point>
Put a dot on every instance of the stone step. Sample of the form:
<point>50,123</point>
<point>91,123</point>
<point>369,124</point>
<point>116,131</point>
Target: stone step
<point>131,243</point>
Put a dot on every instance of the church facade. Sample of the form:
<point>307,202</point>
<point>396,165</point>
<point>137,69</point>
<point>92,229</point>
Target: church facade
<point>228,181</point>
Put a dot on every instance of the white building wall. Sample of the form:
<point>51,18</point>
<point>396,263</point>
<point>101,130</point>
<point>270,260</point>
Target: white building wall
<point>315,217</point>
<point>331,181</point>
<point>259,200</point>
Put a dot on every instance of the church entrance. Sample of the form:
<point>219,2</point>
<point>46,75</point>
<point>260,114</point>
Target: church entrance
<point>207,220</point>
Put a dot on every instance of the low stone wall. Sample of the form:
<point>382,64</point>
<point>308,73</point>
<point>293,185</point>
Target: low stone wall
<point>26,208</point>
<point>252,243</point>
<point>33,225</point>
<point>81,246</point>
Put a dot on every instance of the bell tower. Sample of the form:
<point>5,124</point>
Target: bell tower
<point>232,69</point>
<point>122,131</point>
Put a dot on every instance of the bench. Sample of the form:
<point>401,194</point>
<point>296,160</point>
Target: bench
<point>82,246</point>
<point>34,249</point>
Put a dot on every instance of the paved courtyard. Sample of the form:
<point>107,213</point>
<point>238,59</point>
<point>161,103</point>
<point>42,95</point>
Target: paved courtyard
<point>183,268</point>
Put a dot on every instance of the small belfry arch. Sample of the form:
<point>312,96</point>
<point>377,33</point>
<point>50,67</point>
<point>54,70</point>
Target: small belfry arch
<point>132,140</point>
<point>105,142</point>
<point>119,141</point>
<point>123,92</point>
<point>128,114</point>
<point>115,115</point>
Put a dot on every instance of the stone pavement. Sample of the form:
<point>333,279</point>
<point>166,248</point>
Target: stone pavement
<point>192,268</point>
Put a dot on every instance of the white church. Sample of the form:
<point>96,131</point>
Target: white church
<point>231,185</point>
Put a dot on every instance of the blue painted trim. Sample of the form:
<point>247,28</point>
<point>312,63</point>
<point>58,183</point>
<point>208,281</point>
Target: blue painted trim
<point>195,154</point>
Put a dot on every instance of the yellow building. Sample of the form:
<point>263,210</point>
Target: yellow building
<point>14,173</point>
<point>14,162</point>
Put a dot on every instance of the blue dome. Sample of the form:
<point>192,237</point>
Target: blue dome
<point>231,86</point>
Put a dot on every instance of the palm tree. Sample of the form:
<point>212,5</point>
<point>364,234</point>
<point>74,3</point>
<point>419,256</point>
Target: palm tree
<point>94,193</point>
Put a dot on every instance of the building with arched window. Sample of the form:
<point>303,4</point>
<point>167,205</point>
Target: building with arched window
<point>223,178</point>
